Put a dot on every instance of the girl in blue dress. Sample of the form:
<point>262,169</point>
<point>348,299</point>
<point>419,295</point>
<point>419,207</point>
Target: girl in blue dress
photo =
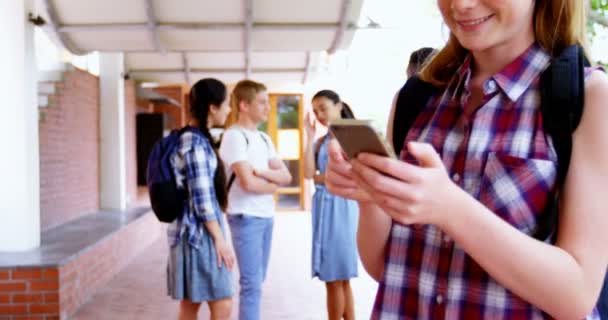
<point>334,219</point>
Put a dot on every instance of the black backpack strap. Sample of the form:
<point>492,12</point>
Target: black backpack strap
<point>562,87</point>
<point>265,141</point>
<point>190,128</point>
<point>412,98</point>
<point>233,175</point>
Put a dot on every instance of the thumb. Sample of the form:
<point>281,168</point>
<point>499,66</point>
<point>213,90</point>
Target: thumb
<point>425,154</point>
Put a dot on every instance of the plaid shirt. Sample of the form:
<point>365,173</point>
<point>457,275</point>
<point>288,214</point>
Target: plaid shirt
<point>499,154</point>
<point>194,165</point>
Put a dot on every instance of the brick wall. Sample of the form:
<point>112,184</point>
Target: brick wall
<point>81,278</point>
<point>177,114</point>
<point>69,150</point>
<point>130,112</point>
<point>46,293</point>
<point>29,292</point>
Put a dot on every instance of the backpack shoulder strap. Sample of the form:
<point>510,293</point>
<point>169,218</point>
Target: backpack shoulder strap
<point>188,129</point>
<point>233,175</point>
<point>412,98</point>
<point>562,101</point>
<point>562,89</point>
<point>265,140</point>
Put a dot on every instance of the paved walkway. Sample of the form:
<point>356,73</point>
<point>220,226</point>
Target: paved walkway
<point>139,291</point>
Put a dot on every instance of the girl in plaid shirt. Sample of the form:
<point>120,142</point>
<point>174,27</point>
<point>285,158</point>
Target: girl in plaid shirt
<point>200,259</point>
<point>450,237</point>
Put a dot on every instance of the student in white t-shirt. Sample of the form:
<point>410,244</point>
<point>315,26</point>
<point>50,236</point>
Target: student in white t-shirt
<point>254,172</point>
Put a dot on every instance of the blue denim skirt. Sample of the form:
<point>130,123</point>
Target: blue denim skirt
<point>193,274</point>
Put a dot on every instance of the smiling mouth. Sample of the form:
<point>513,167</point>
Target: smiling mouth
<point>474,22</point>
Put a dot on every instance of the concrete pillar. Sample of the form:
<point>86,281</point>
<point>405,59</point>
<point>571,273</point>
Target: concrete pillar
<point>19,163</point>
<point>112,132</point>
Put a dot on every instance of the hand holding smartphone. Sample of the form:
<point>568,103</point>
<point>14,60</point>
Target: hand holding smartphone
<point>356,136</point>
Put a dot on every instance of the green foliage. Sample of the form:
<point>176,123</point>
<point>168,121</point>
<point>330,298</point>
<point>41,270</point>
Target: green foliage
<point>599,5</point>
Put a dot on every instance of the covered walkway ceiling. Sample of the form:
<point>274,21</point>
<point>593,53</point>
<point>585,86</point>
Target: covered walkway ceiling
<point>183,40</point>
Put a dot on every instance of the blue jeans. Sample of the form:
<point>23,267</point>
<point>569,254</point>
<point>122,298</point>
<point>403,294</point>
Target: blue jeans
<point>249,235</point>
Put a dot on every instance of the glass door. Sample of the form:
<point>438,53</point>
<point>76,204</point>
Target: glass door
<point>285,130</point>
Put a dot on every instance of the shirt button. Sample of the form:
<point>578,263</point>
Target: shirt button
<point>456,177</point>
<point>439,299</point>
<point>491,85</point>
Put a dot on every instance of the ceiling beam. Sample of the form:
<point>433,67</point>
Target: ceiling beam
<point>342,26</point>
<point>307,67</point>
<point>186,68</point>
<point>247,36</point>
<point>55,26</point>
<point>152,27</point>
<point>204,26</point>
<point>218,70</point>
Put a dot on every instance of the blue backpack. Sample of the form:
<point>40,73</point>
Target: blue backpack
<point>166,198</point>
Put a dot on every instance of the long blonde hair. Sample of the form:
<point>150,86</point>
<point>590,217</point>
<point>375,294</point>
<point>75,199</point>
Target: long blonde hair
<point>557,25</point>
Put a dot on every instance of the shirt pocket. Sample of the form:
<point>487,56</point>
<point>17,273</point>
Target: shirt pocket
<point>517,189</point>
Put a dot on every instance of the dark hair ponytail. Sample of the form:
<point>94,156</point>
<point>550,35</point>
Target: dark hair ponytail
<point>346,112</point>
<point>204,93</point>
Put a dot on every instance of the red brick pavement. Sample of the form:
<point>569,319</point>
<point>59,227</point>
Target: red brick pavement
<point>139,291</point>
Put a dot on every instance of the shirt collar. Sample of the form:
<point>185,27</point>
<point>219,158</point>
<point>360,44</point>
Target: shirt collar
<point>514,79</point>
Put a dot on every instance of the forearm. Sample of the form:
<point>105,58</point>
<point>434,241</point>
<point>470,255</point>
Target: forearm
<point>372,238</point>
<point>544,275</point>
<point>259,185</point>
<point>276,176</point>
<point>214,230</point>
<point>309,160</point>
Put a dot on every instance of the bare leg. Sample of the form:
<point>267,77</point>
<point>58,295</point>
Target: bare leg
<point>220,309</point>
<point>349,301</point>
<point>335,300</point>
<point>188,310</point>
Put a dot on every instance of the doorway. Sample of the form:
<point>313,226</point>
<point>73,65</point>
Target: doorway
<point>284,126</point>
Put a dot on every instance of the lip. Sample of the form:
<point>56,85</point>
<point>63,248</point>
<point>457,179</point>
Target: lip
<point>473,24</point>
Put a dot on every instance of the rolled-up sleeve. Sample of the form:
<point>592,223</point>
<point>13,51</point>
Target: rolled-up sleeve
<point>200,183</point>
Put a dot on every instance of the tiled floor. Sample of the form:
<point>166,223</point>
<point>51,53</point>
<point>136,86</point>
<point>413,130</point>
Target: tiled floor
<point>138,292</point>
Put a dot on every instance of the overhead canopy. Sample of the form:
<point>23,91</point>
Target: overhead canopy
<point>184,40</point>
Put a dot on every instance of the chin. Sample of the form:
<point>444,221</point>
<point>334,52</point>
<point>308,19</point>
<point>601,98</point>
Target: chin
<point>475,45</point>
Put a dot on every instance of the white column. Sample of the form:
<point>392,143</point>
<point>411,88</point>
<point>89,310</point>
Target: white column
<point>19,163</point>
<point>112,132</point>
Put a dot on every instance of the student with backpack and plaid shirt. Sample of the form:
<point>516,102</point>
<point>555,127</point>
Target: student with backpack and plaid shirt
<point>200,258</point>
<point>451,231</point>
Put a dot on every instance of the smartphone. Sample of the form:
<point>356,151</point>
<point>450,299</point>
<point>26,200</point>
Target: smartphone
<point>356,136</point>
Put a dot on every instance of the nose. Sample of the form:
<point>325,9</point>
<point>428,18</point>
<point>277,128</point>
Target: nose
<point>463,5</point>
